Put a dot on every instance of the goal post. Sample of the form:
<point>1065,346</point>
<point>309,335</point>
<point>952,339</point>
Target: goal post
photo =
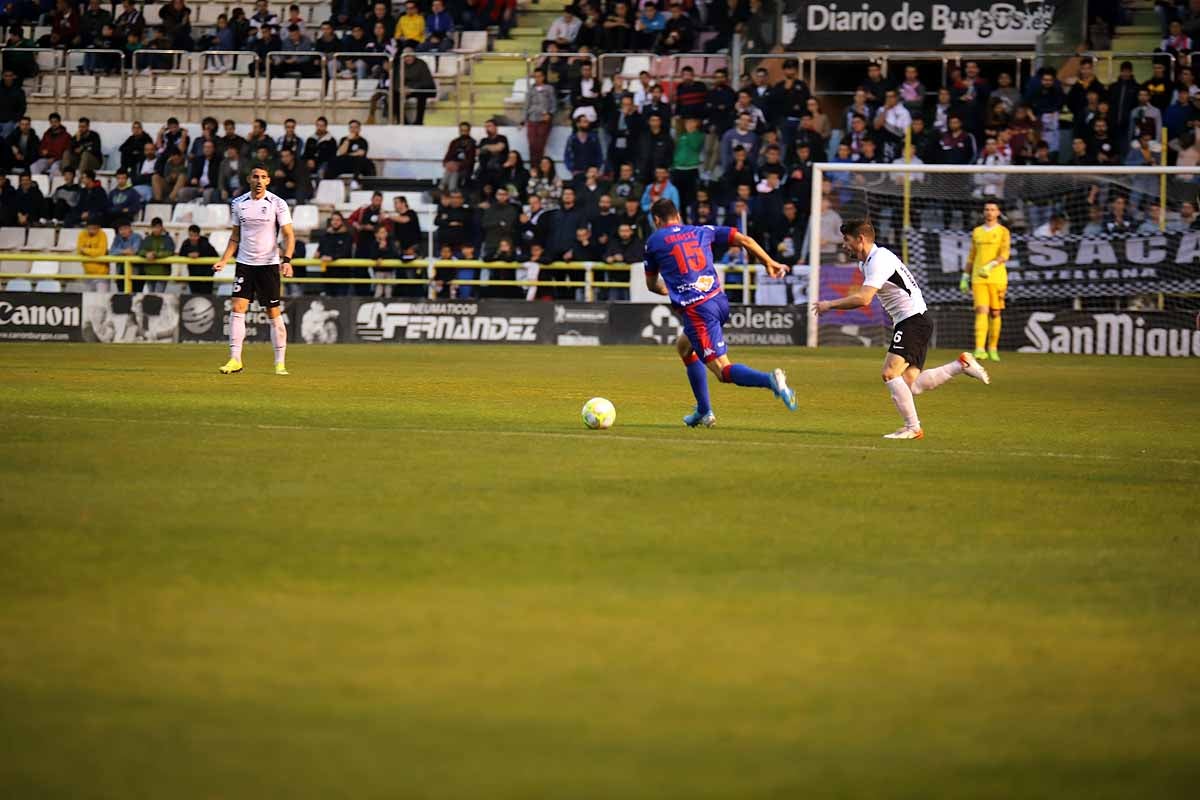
<point>1117,236</point>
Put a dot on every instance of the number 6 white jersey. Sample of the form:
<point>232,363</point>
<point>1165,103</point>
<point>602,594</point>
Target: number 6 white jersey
<point>259,221</point>
<point>897,288</point>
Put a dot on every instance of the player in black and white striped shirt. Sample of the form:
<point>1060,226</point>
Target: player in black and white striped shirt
<point>886,275</point>
<point>258,218</point>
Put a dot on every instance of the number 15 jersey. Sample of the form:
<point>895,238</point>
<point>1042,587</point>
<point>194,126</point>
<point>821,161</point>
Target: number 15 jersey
<point>682,255</point>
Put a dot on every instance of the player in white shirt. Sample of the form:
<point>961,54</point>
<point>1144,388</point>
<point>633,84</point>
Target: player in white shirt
<point>258,218</point>
<point>886,275</point>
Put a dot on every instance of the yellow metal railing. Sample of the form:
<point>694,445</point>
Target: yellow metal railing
<point>126,275</point>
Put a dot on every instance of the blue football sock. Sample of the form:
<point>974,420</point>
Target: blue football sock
<point>744,376</point>
<point>698,377</point>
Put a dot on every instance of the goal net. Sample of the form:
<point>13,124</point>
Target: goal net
<point>1104,240</point>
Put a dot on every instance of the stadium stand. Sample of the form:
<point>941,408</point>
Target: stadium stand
<point>610,94</point>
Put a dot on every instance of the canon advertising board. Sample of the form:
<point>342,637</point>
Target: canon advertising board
<point>41,317</point>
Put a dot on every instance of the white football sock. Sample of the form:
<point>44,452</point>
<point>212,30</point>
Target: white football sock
<point>933,378</point>
<point>237,334</point>
<point>278,338</point>
<point>902,397</point>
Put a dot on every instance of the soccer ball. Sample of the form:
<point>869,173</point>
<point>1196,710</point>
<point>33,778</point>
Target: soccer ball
<point>598,413</point>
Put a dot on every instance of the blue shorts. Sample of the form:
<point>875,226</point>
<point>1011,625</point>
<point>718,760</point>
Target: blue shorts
<point>702,326</point>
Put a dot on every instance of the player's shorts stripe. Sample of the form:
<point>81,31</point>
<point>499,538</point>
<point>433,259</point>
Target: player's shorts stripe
<point>700,326</point>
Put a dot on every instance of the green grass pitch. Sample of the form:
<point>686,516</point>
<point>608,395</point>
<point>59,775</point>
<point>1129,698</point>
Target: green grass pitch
<point>410,572</point>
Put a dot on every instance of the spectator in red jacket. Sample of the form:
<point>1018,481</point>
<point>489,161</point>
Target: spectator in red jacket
<point>55,141</point>
<point>502,13</point>
<point>65,22</point>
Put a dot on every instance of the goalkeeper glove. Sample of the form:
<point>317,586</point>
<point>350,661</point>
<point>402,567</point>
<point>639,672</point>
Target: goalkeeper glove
<point>964,283</point>
<point>987,268</point>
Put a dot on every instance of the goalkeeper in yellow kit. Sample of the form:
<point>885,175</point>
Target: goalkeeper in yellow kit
<point>986,278</point>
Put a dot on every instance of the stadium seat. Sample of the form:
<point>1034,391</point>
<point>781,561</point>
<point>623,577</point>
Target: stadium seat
<point>330,193</point>
<point>310,89</point>
<point>520,89</point>
<point>220,87</point>
<point>72,268</point>
<point>216,215</point>
<point>43,86</point>
<point>448,66</point>
<point>55,182</point>
<point>472,42</point>
<point>12,238</point>
<point>48,60</point>
<point>635,65</point>
<point>46,268</point>
<point>152,210</point>
<point>304,218</point>
<point>82,86</point>
<point>67,239</point>
<point>109,87</point>
<point>219,239</point>
<point>17,267</point>
<point>341,89</point>
<point>187,214</point>
<point>282,89</point>
<point>43,182</point>
<point>40,240</point>
<point>365,89</point>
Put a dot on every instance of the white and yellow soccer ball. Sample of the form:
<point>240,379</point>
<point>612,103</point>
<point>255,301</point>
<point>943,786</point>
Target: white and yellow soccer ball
<point>599,413</point>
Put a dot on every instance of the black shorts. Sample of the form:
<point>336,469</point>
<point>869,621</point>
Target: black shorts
<point>259,283</point>
<point>910,340</point>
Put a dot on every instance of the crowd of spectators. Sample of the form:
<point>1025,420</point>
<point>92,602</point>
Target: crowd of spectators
<point>168,167</point>
<point>744,155</point>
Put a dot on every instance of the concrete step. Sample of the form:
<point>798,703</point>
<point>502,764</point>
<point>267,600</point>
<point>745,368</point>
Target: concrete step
<point>1150,29</point>
<point>530,45</point>
<point>499,71</point>
<point>486,94</point>
<point>446,115</point>
<point>1135,44</point>
<point>1146,17</point>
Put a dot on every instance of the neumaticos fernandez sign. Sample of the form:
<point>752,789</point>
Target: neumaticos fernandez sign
<point>897,25</point>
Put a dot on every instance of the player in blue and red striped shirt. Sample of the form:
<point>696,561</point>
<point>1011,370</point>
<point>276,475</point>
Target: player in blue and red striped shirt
<point>679,264</point>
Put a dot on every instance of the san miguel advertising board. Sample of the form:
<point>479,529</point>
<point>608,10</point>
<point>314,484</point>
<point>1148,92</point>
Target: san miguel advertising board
<point>857,25</point>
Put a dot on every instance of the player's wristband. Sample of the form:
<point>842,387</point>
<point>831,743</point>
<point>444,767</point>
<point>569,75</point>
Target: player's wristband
<point>286,260</point>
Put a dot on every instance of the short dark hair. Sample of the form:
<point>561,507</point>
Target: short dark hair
<point>663,209</point>
<point>858,227</point>
<point>193,228</point>
<point>85,120</point>
<point>156,221</point>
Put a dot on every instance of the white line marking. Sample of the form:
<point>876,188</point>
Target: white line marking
<point>622,437</point>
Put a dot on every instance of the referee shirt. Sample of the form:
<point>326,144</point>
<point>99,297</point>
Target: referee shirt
<point>260,221</point>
